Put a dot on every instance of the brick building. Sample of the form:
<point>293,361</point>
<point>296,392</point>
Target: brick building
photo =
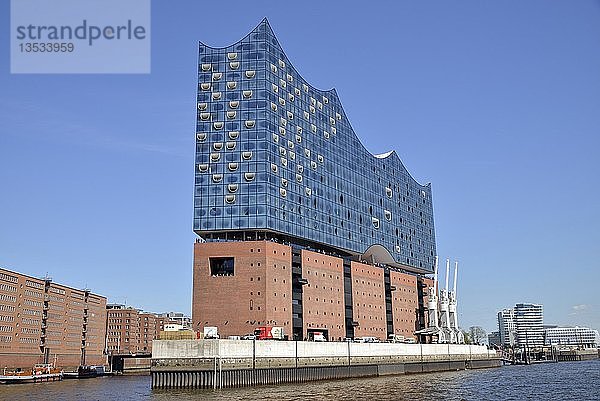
<point>242,285</point>
<point>368,300</point>
<point>42,321</point>
<point>131,331</point>
<point>422,314</point>
<point>239,286</point>
<point>405,303</point>
<point>122,329</point>
<point>322,295</point>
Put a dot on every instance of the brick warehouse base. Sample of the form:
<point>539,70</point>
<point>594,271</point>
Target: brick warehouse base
<point>272,284</point>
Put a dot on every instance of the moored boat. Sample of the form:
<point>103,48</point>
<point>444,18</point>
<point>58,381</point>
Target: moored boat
<point>43,372</point>
<point>83,372</point>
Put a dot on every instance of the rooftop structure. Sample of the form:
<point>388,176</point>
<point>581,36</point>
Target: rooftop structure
<point>177,318</point>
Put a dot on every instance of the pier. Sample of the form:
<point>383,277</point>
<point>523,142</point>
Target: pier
<point>239,363</point>
<point>578,355</point>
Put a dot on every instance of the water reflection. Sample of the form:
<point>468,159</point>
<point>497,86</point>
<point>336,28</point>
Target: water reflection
<point>561,381</point>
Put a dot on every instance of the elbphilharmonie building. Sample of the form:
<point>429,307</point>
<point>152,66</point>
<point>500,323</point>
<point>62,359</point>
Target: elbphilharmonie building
<point>278,163</point>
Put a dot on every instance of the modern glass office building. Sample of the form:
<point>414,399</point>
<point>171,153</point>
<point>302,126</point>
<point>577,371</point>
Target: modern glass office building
<point>278,158</point>
<point>529,325</point>
<point>506,326</point>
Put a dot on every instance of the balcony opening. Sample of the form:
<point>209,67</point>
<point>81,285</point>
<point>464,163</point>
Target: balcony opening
<point>221,266</point>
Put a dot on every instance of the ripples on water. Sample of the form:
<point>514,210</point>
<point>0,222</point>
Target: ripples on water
<point>551,381</point>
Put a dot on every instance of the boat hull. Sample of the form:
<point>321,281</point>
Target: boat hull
<point>76,375</point>
<point>47,377</point>
<point>84,372</point>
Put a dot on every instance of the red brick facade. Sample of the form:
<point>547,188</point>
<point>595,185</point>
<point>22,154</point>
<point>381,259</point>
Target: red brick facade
<point>39,317</point>
<point>259,292</point>
<point>368,301</point>
<point>131,331</point>
<point>122,330</point>
<point>323,296</point>
<point>405,303</point>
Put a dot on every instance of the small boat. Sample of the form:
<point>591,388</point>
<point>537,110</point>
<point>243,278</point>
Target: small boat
<point>42,372</point>
<point>83,372</point>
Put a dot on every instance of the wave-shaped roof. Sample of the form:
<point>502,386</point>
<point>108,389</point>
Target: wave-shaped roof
<point>264,27</point>
<point>384,192</point>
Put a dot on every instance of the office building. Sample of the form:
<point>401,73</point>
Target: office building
<point>494,339</point>
<point>299,225</point>
<point>506,326</point>
<point>529,322</point>
<point>42,321</point>
<point>522,326</point>
<point>582,337</point>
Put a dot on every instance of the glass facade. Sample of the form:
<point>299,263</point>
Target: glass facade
<point>276,155</point>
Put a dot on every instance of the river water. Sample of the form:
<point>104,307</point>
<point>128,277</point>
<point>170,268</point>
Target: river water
<point>549,381</point>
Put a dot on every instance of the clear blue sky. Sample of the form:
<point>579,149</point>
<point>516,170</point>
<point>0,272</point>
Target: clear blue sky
<point>497,104</point>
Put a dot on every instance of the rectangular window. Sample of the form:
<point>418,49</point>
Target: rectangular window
<point>221,266</point>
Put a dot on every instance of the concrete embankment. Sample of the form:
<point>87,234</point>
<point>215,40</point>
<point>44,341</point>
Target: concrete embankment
<point>233,363</point>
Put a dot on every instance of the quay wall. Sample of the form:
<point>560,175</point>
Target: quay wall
<point>136,366</point>
<point>234,363</point>
<point>578,355</point>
